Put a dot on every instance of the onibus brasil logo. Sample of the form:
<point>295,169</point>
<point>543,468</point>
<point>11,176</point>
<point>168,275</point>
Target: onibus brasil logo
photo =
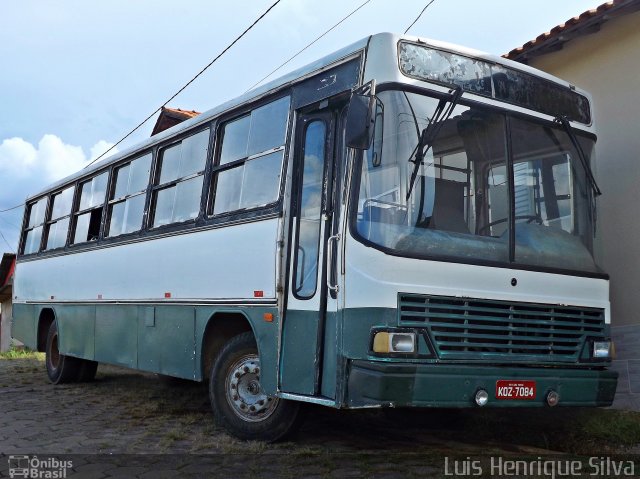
<point>34,468</point>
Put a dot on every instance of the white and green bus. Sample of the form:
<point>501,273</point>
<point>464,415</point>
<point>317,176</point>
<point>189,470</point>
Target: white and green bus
<point>403,223</point>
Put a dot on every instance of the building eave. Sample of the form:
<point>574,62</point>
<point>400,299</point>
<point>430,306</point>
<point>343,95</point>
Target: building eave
<point>586,23</point>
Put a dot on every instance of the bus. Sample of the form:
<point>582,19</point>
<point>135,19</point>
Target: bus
<point>403,223</point>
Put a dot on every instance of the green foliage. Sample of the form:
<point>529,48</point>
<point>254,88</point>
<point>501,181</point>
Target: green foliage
<point>22,353</point>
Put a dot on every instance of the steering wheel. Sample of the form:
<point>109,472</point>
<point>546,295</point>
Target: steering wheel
<point>530,219</point>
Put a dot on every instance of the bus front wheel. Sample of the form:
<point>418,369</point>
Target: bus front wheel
<point>238,401</point>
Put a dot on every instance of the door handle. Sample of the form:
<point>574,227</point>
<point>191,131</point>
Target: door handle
<point>330,286</point>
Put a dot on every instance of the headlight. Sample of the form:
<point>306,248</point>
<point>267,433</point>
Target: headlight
<point>602,349</point>
<point>386,342</point>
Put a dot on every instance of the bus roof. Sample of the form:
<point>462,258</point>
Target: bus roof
<point>312,68</point>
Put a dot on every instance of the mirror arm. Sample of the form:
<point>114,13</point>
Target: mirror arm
<point>366,89</point>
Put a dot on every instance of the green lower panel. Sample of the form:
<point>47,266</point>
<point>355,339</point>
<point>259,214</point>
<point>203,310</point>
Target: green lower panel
<point>299,350</point>
<point>76,330</point>
<point>166,342</point>
<point>404,385</point>
<point>116,338</point>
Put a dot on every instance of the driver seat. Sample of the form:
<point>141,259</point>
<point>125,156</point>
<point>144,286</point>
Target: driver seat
<point>448,207</point>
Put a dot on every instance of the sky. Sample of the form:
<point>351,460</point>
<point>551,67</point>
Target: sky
<point>76,76</point>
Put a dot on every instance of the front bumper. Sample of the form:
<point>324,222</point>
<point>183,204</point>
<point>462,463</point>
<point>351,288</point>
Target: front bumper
<point>378,383</point>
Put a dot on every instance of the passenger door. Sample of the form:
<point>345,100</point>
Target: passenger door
<point>309,349</point>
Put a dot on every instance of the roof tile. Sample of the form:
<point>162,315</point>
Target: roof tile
<point>576,26</point>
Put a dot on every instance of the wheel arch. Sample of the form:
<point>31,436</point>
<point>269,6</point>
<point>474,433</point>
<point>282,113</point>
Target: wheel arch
<point>45,319</point>
<point>221,327</point>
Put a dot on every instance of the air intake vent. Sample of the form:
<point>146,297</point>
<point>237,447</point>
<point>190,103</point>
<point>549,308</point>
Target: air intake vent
<point>465,328</point>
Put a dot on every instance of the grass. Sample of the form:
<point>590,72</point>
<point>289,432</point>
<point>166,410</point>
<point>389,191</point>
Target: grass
<point>576,431</point>
<point>618,429</point>
<point>22,353</point>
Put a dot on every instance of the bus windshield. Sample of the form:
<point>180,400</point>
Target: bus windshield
<point>460,205</point>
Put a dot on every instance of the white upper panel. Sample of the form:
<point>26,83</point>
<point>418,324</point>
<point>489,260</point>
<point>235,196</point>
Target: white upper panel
<point>215,264</point>
<point>374,279</point>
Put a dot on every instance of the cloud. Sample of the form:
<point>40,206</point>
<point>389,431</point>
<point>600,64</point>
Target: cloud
<point>17,157</point>
<point>27,168</point>
<point>58,159</point>
<point>23,165</point>
<point>100,148</point>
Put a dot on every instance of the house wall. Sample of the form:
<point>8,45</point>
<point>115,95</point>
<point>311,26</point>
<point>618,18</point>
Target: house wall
<point>606,64</point>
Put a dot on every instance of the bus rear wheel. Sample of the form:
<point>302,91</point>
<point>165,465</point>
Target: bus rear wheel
<point>87,370</point>
<point>238,401</point>
<point>60,368</point>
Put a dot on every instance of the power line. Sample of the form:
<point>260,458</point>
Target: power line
<point>12,208</point>
<point>10,223</point>
<point>188,83</point>
<point>314,41</point>
<point>5,240</point>
<point>418,17</point>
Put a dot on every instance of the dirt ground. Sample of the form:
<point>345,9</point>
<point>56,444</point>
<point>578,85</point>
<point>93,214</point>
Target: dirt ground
<point>132,424</point>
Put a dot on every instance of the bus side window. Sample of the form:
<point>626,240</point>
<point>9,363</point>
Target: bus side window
<point>58,227</point>
<point>177,196</point>
<point>89,214</point>
<point>126,207</point>
<point>250,165</point>
<point>35,225</point>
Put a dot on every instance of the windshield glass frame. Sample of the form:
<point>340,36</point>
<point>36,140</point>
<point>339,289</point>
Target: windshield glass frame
<point>509,262</point>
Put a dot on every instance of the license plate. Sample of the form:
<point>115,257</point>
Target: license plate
<point>513,389</point>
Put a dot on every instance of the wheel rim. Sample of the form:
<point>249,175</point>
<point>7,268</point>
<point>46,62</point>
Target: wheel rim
<point>244,392</point>
<point>54,353</point>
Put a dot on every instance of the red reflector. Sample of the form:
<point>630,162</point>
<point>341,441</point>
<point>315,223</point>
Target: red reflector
<point>258,294</point>
<point>167,295</point>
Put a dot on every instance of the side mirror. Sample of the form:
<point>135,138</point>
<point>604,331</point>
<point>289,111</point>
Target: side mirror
<point>361,120</point>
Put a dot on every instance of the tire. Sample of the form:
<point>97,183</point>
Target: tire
<point>239,404</point>
<point>87,370</point>
<point>60,368</point>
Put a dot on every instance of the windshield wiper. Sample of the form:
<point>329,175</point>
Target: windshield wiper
<point>430,133</point>
<point>564,121</point>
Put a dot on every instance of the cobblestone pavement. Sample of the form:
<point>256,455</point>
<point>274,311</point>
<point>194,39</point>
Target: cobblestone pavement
<point>133,424</point>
